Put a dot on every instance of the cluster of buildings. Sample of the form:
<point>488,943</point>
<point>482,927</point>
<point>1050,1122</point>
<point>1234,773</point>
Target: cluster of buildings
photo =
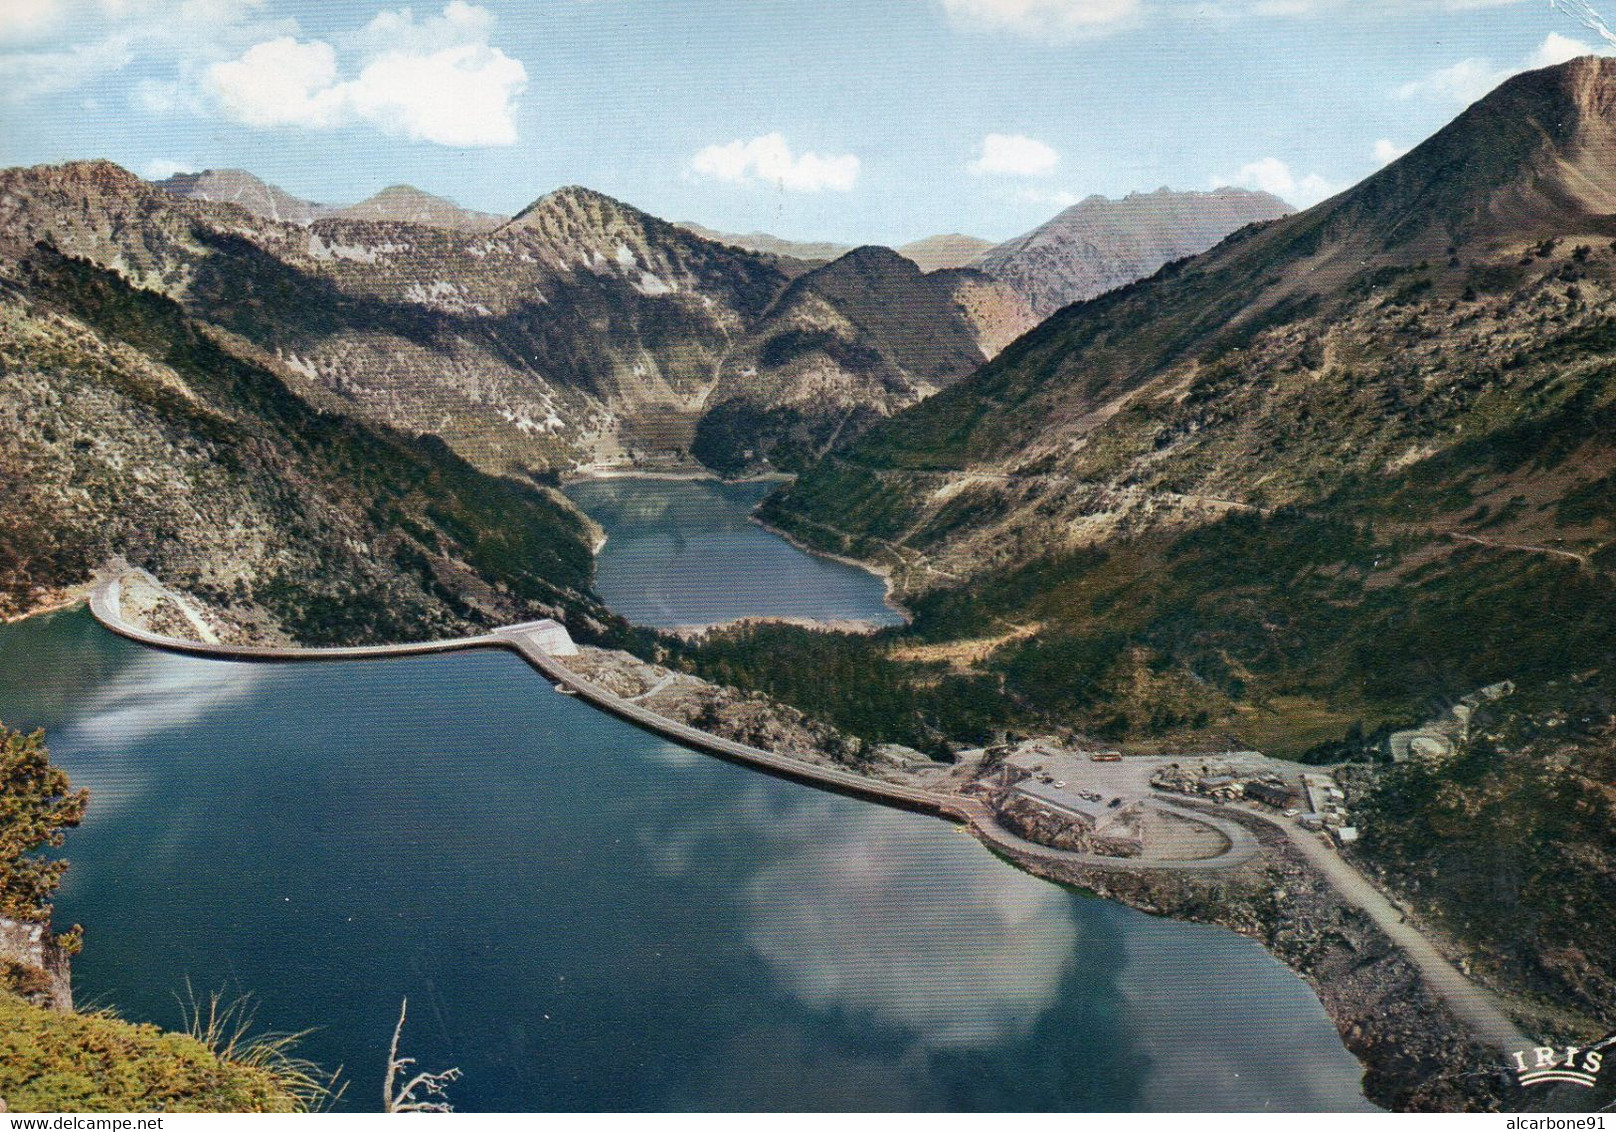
<point>1320,804</point>
<point>1326,808</point>
<point>1082,819</point>
<point>1226,780</point>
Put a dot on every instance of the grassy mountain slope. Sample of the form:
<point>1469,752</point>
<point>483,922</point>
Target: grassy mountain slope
<point>1458,295</point>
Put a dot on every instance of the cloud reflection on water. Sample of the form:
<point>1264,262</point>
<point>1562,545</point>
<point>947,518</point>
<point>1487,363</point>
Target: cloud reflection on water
<point>1222,1033</point>
<point>156,694</point>
<point>877,913</point>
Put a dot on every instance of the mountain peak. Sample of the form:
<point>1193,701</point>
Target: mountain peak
<point>568,199</point>
<point>410,205</point>
<point>239,187</point>
<point>98,173</point>
<point>1098,243</point>
<point>1535,158</point>
<point>874,257</point>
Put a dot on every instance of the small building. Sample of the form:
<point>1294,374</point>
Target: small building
<point>1346,834</point>
<point>1092,813</point>
<point>1311,820</point>
<point>1223,786</point>
<point>1105,757</point>
<point>1272,794</point>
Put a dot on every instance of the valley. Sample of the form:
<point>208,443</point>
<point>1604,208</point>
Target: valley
<point>1152,546</point>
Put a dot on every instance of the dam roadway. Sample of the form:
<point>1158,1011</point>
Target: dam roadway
<point>1469,1002</point>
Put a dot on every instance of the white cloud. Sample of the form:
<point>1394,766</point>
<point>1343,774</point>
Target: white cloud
<point>161,169</point>
<point>769,160</point>
<point>1462,83</point>
<point>31,74</point>
<point>1271,175</point>
<point>1013,155</point>
<point>60,45</point>
<point>280,83</point>
<point>1387,151</point>
<point>459,25</point>
<point>1556,49</point>
<point>858,934</point>
<point>1054,20</point>
<point>435,80</point>
<point>25,19</point>
<point>460,96</point>
<point>1470,79</point>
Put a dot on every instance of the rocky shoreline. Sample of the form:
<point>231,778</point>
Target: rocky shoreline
<point>1417,1056</point>
<point>745,717</point>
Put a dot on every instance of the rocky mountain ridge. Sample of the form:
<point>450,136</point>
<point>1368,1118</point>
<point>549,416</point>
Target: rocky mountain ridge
<point>407,204</point>
<point>580,332</point>
<point>1099,244</point>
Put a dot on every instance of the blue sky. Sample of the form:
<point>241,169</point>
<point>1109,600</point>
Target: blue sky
<point>851,120</point>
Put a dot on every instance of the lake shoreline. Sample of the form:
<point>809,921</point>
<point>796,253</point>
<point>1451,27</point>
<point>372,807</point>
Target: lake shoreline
<point>51,603</point>
<point>1415,1054</point>
<point>889,597</point>
<point>703,475</point>
<point>697,475</point>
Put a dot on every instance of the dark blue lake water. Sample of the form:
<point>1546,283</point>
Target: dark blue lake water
<point>587,917</point>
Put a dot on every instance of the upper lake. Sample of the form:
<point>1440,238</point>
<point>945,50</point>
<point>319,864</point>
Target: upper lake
<point>684,552</point>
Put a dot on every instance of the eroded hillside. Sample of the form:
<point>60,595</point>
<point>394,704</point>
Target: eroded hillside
<point>130,430</point>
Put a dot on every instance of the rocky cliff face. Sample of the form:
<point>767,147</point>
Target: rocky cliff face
<point>128,428</point>
<point>1099,244</point>
<point>34,966</point>
<point>580,332</point>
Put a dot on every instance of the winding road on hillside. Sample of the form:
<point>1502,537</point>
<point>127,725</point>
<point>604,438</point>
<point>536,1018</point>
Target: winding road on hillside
<point>1494,544</point>
<point>1474,1005</point>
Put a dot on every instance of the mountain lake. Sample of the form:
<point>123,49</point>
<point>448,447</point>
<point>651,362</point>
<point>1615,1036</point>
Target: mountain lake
<point>584,916</point>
